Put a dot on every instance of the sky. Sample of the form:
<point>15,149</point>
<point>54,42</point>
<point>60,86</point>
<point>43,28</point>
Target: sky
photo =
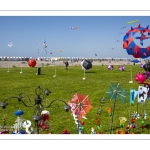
<point>97,35</point>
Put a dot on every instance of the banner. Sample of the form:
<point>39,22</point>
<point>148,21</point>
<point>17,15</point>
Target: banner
<point>142,94</point>
<point>133,94</point>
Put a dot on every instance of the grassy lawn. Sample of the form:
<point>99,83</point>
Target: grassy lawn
<point>64,86</point>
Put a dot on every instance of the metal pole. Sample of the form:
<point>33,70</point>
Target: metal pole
<point>131,74</point>
<point>112,119</point>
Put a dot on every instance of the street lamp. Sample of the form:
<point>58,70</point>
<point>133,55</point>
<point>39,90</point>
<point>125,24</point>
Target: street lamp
<point>38,102</point>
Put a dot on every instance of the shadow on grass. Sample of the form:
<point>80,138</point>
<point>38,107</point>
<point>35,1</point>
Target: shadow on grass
<point>40,74</point>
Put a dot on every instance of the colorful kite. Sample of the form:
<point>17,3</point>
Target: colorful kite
<point>110,67</point>
<point>132,21</point>
<point>45,46</point>
<point>121,68</point>
<point>131,47</point>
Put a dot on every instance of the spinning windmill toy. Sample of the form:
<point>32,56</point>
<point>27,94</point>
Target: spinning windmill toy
<point>80,106</point>
<point>115,92</point>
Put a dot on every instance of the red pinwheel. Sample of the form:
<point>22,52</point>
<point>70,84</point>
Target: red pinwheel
<point>80,105</point>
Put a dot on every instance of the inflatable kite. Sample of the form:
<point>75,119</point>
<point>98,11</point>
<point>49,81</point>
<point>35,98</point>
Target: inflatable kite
<point>110,67</point>
<point>86,64</point>
<point>32,62</point>
<point>131,47</point>
<point>141,65</point>
<point>121,68</point>
<point>146,66</point>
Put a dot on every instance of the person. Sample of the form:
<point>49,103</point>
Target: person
<point>66,64</point>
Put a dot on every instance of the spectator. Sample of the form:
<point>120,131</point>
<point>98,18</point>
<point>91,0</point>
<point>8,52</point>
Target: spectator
<point>66,64</point>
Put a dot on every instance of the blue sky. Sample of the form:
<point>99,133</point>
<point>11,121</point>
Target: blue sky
<point>97,34</point>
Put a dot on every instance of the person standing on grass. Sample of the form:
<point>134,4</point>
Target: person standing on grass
<point>66,64</point>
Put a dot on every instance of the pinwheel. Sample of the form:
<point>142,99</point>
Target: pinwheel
<point>115,92</point>
<point>81,105</point>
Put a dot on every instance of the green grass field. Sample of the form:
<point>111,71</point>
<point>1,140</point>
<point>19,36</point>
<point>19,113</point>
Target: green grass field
<point>64,86</point>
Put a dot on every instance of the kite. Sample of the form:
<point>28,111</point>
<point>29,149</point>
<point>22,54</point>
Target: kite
<point>32,62</point>
<point>146,66</point>
<point>95,54</point>
<point>50,52</point>
<point>60,50</point>
<point>45,46</point>
<point>121,33</point>
<point>140,78</point>
<point>76,28</point>
<point>117,41</point>
<point>131,47</point>
<point>132,21</point>
<point>10,44</point>
<point>110,67</point>
<point>112,48</point>
<point>141,65</point>
<point>121,68</point>
<point>86,64</point>
<point>123,27</point>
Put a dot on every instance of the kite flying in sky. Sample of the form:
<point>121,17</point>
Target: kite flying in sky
<point>10,44</point>
<point>131,47</point>
<point>45,46</point>
<point>123,27</point>
<point>117,41</point>
<point>76,28</point>
<point>132,21</point>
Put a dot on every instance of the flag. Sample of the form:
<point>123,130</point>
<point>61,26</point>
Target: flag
<point>133,94</point>
<point>142,94</point>
<point>147,85</point>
